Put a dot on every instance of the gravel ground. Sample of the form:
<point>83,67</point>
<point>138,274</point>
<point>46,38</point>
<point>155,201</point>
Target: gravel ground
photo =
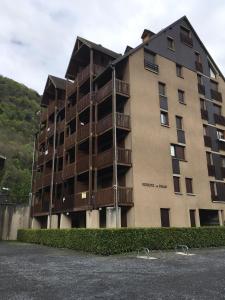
<point>38,272</point>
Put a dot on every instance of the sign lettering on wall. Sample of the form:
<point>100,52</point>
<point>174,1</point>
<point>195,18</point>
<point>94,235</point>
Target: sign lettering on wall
<point>154,185</point>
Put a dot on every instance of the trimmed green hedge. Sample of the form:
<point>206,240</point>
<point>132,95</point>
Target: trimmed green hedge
<point>114,241</point>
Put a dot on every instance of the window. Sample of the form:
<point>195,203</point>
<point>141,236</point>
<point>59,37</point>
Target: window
<point>197,57</point>
<point>162,89</point>
<point>185,32</point>
<point>199,77</point>
<point>223,161</point>
<point>209,158</point>
<point>179,122</point>
<point>213,189</point>
<point>212,72</point>
<point>165,217</point>
<point>192,217</point>
<point>189,186</point>
<point>220,134</point>
<point>150,61</point>
<point>179,70</point>
<point>217,109</point>
<point>150,56</point>
<point>177,151</point>
<point>214,85</point>
<point>202,104</point>
<point>164,118</point>
<point>181,97</point>
<point>170,43</point>
<point>176,184</point>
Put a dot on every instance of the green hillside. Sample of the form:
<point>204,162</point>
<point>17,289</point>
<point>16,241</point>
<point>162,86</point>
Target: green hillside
<point>18,123</point>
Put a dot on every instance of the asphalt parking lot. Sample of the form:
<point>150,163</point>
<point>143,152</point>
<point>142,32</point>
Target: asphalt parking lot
<point>37,272</point>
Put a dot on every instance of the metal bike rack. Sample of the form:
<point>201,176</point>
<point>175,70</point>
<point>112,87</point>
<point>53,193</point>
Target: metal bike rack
<point>182,249</point>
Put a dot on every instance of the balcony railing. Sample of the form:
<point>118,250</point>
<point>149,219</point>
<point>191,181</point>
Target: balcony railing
<point>41,207</point>
<point>219,119</point>
<point>49,154</point>
<point>69,171</point>
<point>204,114</point>
<point>38,183</point>
<point>41,157</point>
<point>70,113</point>
<point>207,141</point>
<point>105,158</point>
<point>70,140</point>
<point>42,136</point>
<point>83,132</point>
<point>50,129</point>
<point>83,163</point>
<point>216,95</point>
<point>198,66</point>
<point>201,89</point>
<point>59,150</point>
<point>122,88</point>
<point>151,66</point>
<point>186,39</point>
<point>60,126</point>
<point>83,102</point>
<point>122,122</point>
<point>211,170</point>
<point>58,178</point>
<point>47,179</point>
<point>81,200</point>
<point>106,197</point>
<point>44,114</point>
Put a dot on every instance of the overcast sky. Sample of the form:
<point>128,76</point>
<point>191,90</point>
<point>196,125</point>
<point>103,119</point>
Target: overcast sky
<point>37,36</point>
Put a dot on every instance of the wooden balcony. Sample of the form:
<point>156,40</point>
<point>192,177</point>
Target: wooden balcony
<point>49,154</point>
<point>186,39</point>
<point>69,171</point>
<point>58,178</point>
<point>47,179</point>
<point>83,163</point>
<point>204,114</point>
<point>60,126</point>
<point>71,88</point>
<point>70,113</point>
<point>198,67</point>
<point>44,114</point>
<point>83,103</point>
<point>84,75</point>
<point>40,159</point>
<point>38,183</point>
<point>201,89</point>
<point>122,88</point>
<point>59,150</point>
<point>60,104</point>
<point>70,140</point>
<point>216,95</point>
<point>219,119</point>
<point>82,201</point>
<point>74,202</point>
<point>105,197</point>
<point>52,107</point>
<point>83,132</point>
<point>207,141</point>
<point>41,208</point>
<point>42,135</point>
<point>211,170</point>
<point>105,158</point>
<point>122,122</point>
<point>50,130</point>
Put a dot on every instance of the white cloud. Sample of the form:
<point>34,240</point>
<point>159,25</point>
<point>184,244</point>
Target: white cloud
<point>37,37</point>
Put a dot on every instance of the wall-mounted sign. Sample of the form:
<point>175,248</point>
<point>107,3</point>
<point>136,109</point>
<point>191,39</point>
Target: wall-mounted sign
<point>154,185</point>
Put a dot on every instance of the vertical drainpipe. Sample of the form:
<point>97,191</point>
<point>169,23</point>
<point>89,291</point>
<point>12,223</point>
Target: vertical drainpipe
<point>53,167</point>
<point>31,198</point>
<point>90,129</point>
<point>115,180</point>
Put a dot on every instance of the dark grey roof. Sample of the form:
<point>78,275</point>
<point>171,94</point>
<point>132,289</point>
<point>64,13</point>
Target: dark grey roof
<point>59,83</point>
<point>99,47</point>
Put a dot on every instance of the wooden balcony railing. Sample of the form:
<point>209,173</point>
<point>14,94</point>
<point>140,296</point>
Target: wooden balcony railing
<point>201,89</point>
<point>42,136</point>
<point>71,88</point>
<point>122,121</point>
<point>70,113</point>
<point>69,171</point>
<point>83,102</point>
<point>83,164</point>
<point>73,202</point>
<point>198,66</point>
<point>60,104</point>
<point>41,207</point>
<point>58,178</point>
<point>83,75</point>
<point>41,157</point>
<point>50,129</point>
<point>216,95</point>
<point>49,154</point>
<point>81,200</point>
<point>47,180</point>
<point>105,158</point>
<point>106,197</point>
<point>207,141</point>
<point>60,126</point>
<point>38,183</point>
<point>122,88</point>
<point>83,132</point>
<point>70,140</point>
<point>219,119</point>
<point>204,114</point>
<point>44,115</point>
<point>59,150</point>
<point>186,39</point>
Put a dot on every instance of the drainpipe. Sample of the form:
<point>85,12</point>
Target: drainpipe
<point>31,196</point>
<point>53,169</point>
<point>115,180</point>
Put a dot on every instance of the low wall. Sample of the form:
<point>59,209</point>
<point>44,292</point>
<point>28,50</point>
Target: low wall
<point>12,218</point>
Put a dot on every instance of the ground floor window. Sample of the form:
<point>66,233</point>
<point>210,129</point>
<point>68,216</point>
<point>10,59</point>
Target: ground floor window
<point>209,217</point>
<point>192,217</point>
<point>165,217</point>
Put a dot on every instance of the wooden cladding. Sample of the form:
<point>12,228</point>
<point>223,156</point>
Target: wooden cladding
<point>216,95</point>
<point>83,132</point>
<point>70,140</point>
<point>84,102</point>
<point>83,163</point>
<point>70,113</point>
<point>105,158</point>
<point>122,88</point>
<point>74,202</point>
<point>106,197</point>
<point>47,179</point>
<point>69,171</point>
<point>122,122</point>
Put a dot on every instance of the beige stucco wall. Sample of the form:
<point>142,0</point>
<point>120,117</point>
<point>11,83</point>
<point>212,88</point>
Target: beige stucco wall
<point>151,145</point>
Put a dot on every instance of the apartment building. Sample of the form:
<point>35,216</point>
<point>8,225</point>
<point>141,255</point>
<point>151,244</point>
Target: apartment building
<point>133,140</point>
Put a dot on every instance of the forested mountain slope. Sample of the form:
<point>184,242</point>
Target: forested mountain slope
<point>18,124</point>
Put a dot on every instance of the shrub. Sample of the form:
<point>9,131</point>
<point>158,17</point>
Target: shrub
<point>115,241</point>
